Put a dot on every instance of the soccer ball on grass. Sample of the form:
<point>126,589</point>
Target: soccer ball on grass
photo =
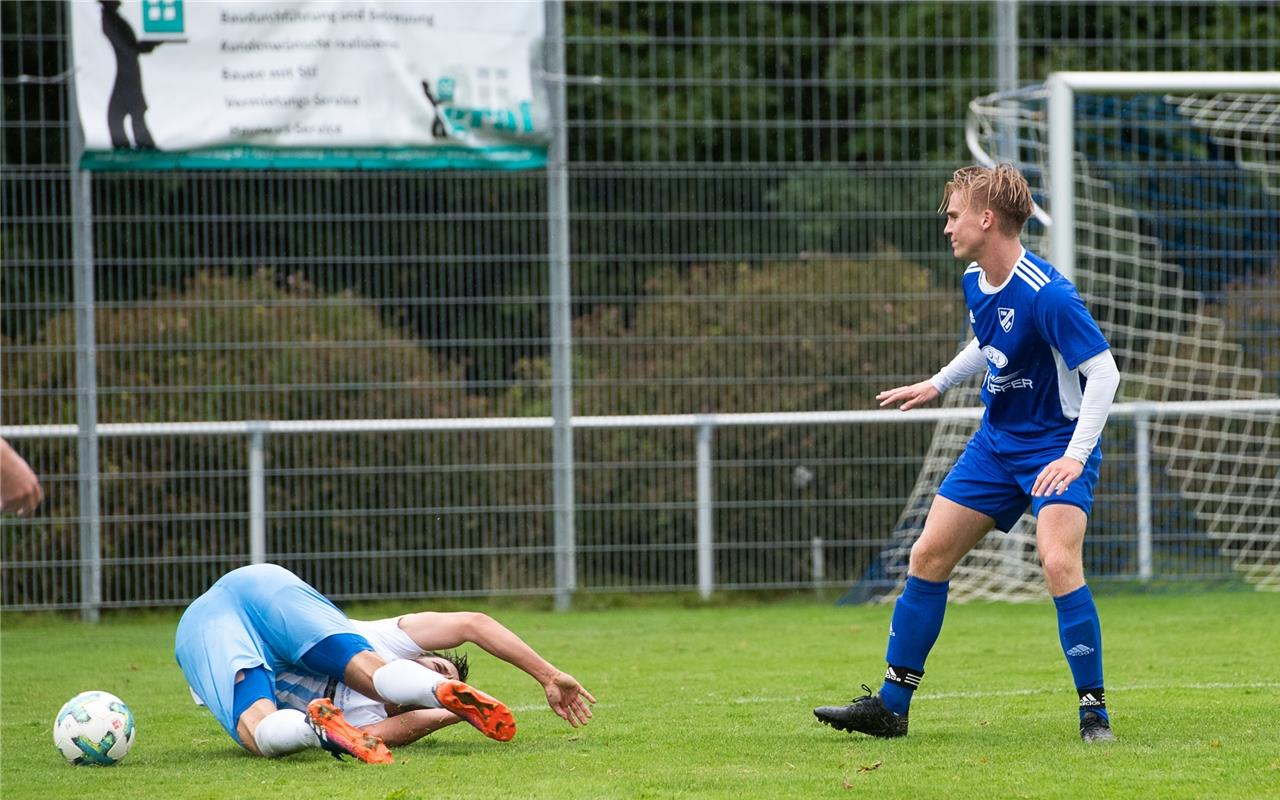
<point>94,728</point>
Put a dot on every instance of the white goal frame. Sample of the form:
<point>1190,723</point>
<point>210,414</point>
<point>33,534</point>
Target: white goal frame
<point>1207,460</point>
<point>1062,87</point>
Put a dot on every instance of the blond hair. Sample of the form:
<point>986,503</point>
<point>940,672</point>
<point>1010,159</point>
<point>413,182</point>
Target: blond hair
<point>1000,188</point>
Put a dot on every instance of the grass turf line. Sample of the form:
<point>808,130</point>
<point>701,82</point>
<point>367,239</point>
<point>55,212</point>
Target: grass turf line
<point>717,702</point>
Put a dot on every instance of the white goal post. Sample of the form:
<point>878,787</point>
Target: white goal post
<point>1062,86</point>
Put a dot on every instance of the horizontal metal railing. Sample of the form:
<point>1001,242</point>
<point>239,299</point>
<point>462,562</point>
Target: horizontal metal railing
<point>256,431</point>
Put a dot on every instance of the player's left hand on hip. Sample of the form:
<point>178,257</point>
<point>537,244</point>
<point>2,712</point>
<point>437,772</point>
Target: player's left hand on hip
<point>1055,478</point>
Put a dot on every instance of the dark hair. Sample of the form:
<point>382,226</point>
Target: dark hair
<point>458,660</point>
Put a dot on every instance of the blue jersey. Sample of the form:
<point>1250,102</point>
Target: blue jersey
<point>261,615</point>
<point>1034,331</point>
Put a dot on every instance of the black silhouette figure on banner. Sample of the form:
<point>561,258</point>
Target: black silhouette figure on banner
<point>126,94</point>
<point>438,129</point>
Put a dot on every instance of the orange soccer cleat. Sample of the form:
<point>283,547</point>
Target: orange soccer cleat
<point>340,737</point>
<point>486,714</point>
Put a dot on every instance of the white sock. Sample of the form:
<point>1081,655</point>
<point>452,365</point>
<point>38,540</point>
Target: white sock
<point>407,683</point>
<point>283,732</point>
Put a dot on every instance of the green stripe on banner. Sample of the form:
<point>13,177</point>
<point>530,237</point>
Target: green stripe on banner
<point>509,157</point>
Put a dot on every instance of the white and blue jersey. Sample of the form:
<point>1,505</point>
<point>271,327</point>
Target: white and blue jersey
<point>1034,332</point>
<point>256,616</point>
<point>296,688</point>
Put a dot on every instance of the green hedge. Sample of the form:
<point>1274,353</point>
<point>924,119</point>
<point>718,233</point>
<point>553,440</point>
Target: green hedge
<point>260,347</point>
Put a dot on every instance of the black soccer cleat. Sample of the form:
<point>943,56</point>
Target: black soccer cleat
<point>865,714</point>
<point>1095,728</point>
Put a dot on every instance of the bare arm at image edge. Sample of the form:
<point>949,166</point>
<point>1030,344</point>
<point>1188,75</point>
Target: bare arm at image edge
<point>20,490</point>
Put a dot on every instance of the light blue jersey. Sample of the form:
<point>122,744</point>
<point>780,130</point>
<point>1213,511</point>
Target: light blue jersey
<point>1034,332</point>
<point>259,615</point>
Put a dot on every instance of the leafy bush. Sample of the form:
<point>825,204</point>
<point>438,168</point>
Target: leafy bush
<point>391,514</point>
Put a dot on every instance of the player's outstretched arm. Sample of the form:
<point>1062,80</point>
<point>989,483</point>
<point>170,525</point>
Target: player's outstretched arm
<point>909,397</point>
<point>969,361</point>
<point>432,630</point>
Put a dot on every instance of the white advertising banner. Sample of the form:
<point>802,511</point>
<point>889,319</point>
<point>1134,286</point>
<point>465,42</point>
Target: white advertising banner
<point>406,84</point>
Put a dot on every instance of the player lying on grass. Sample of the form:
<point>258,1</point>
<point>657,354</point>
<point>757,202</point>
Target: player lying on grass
<point>394,725</point>
<point>1049,382</point>
<point>260,622</point>
<point>419,637</point>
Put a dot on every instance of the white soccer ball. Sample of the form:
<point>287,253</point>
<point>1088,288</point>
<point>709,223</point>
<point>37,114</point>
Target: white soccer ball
<point>94,728</point>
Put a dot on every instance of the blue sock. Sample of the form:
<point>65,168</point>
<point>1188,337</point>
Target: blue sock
<point>1081,636</point>
<point>917,620</point>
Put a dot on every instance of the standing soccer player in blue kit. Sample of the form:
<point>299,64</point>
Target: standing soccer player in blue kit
<point>1050,379</point>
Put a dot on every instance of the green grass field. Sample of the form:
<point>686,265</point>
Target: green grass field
<point>716,702</point>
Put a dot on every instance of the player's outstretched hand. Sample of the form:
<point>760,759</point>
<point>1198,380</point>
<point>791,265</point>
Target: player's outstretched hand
<point>917,394</point>
<point>1055,478</point>
<point>568,699</point>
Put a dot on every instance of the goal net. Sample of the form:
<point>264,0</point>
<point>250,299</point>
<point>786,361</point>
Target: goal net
<point>1175,240</point>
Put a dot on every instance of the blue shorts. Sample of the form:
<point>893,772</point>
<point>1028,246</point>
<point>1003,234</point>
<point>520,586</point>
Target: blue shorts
<point>994,476</point>
<point>260,615</point>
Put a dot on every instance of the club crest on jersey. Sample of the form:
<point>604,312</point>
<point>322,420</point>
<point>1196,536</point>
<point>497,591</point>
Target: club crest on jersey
<point>1006,318</point>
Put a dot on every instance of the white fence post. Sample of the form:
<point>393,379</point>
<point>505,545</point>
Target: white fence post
<point>1007,70</point>
<point>706,533</point>
<point>819,565</point>
<point>257,499</point>
<point>560,314</point>
<point>86,374</point>
<point>1142,465</point>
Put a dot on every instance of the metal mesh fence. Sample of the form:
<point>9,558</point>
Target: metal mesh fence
<point>752,190</point>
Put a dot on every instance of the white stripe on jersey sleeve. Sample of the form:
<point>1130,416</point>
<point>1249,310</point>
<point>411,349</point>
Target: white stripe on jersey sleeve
<point>1035,275</point>
<point>1033,270</point>
<point>1027,279</point>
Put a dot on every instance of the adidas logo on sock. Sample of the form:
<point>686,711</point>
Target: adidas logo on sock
<point>1089,700</point>
<point>903,676</point>
<point>1080,650</point>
